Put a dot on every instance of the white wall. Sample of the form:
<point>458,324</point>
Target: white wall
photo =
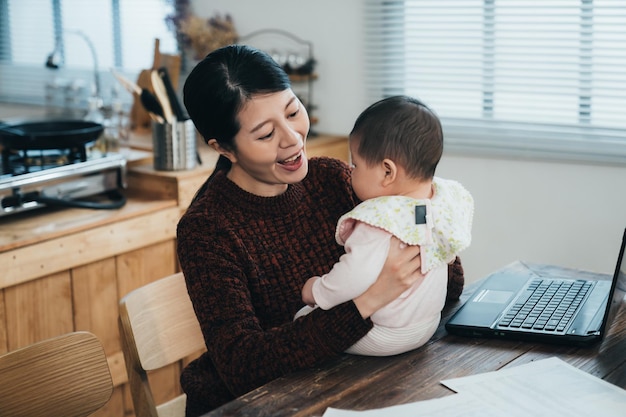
<point>568,214</point>
<point>564,214</point>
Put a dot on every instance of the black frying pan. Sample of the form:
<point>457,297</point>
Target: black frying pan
<point>49,134</point>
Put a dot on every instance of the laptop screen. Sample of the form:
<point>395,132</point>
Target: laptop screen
<point>618,290</point>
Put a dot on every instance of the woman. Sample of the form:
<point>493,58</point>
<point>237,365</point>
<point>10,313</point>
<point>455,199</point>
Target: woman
<point>259,227</point>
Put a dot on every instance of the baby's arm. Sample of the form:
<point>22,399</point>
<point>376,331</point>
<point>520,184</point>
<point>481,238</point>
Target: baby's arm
<point>366,252</point>
<point>307,292</point>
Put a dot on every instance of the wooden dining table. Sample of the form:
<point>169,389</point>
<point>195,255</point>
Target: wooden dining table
<point>365,382</point>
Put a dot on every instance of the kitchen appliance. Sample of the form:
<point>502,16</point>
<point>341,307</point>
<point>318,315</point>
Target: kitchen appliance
<point>55,164</point>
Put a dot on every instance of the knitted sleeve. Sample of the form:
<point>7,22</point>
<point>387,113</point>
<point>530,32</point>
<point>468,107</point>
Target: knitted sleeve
<point>456,280</point>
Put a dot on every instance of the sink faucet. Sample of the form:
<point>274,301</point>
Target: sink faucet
<point>50,61</point>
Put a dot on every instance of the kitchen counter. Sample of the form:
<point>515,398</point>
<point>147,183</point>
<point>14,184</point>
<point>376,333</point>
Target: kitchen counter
<point>37,225</point>
<point>33,245</point>
<point>65,269</point>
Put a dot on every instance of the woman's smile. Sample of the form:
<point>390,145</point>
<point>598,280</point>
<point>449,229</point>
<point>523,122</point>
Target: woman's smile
<point>293,163</point>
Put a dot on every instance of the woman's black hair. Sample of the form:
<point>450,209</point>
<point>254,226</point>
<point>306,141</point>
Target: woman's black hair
<point>219,86</point>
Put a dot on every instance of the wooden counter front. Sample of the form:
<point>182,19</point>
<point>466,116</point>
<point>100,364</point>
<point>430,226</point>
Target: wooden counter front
<point>42,243</point>
<point>64,270</point>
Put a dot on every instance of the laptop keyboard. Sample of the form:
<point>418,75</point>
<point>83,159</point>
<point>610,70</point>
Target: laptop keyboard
<point>547,305</point>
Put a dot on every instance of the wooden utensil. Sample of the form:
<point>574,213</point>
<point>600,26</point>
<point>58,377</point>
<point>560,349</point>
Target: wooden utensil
<point>161,94</point>
<point>140,119</point>
<point>177,109</point>
<point>148,100</point>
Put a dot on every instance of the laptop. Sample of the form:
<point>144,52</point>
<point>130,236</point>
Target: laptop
<point>542,303</point>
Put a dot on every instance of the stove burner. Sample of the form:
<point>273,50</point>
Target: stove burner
<point>62,179</point>
<point>18,162</point>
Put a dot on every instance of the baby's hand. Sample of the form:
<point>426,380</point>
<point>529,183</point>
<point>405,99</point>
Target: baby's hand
<point>307,292</point>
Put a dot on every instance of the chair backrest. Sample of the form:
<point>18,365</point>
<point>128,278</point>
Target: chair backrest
<point>65,376</point>
<point>158,327</point>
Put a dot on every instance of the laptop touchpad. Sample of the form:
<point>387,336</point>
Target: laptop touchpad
<point>493,296</point>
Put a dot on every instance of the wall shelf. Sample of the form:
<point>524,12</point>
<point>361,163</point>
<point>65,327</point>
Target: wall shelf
<point>295,55</point>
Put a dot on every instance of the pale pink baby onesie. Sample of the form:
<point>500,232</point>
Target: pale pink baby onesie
<point>440,225</point>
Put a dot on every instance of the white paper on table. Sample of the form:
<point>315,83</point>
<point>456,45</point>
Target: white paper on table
<point>549,387</point>
<point>456,405</point>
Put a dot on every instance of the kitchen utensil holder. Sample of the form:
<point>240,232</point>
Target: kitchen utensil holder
<point>174,145</point>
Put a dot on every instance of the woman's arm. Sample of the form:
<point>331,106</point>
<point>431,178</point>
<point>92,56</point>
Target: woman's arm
<point>456,280</point>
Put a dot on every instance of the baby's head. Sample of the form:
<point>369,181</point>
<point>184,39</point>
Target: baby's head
<point>400,129</point>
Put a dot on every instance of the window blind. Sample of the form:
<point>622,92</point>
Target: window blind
<point>87,38</point>
<point>537,77</point>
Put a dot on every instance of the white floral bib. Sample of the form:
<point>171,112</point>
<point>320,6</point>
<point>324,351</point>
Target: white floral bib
<point>440,225</point>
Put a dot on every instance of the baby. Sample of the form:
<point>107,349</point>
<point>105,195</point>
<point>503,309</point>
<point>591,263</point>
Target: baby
<point>395,146</point>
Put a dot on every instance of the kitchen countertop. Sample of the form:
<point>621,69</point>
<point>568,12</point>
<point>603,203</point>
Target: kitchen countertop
<point>40,242</point>
<point>44,224</point>
<point>34,245</point>
<point>20,230</point>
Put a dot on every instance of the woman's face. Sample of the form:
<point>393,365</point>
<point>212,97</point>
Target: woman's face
<point>270,152</point>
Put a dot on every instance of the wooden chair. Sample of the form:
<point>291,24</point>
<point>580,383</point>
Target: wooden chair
<point>158,327</point>
<point>65,376</point>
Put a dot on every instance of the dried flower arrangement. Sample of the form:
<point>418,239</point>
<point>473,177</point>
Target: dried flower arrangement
<point>202,35</point>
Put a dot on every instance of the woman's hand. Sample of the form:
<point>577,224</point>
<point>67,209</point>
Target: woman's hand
<point>400,271</point>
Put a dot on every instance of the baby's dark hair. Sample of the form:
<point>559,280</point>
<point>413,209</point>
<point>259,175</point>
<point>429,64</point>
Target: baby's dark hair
<point>402,129</point>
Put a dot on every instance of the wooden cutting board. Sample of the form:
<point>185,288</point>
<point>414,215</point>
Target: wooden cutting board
<point>139,118</point>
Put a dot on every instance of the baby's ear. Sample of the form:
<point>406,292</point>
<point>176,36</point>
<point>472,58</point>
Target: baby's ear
<point>390,170</point>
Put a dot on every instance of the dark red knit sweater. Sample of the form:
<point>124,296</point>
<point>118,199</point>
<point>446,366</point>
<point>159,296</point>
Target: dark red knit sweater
<point>245,260</point>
